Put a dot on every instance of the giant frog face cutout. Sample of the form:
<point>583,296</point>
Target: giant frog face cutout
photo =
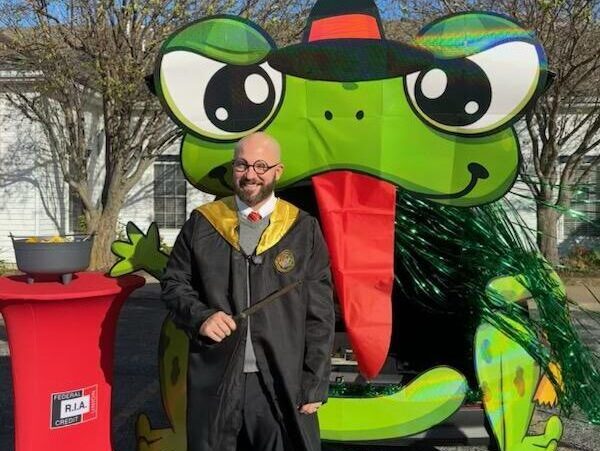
<point>435,122</point>
<point>361,117</point>
<point>432,118</point>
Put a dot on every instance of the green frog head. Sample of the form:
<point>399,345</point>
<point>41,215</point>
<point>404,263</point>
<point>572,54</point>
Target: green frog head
<point>432,117</point>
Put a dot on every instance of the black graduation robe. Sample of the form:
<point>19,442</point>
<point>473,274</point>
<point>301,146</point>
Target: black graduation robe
<point>292,337</point>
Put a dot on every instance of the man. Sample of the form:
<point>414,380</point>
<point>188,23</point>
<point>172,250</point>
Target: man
<point>256,383</point>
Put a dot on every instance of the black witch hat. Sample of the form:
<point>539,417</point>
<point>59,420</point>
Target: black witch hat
<point>344,41</point>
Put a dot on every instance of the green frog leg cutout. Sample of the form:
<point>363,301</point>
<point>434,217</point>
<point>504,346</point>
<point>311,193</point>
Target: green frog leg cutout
<point>508,377</point>
<point>173,362</point>
<point>428,400</point>
<point>139,252</point>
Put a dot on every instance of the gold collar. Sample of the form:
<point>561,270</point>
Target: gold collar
<point>222,215</point>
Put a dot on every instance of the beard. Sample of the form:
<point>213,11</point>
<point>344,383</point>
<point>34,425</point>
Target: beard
<point>263,193</point>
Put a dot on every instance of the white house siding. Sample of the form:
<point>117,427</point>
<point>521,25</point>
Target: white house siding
<point>32,195</point>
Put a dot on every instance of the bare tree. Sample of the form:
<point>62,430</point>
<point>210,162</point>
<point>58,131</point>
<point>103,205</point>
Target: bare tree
<point>77,58</point>
<point>561,133</point>
<point>284,20</point>
<point>565,124</point>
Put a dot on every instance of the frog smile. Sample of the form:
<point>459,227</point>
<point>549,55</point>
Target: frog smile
<point>477,172</point>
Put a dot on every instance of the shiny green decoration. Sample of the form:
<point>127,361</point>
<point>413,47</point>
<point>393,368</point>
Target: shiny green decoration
<point>347,390</point>
<point>469,33</point>
<point>368,390</point>
<point>447,261</point>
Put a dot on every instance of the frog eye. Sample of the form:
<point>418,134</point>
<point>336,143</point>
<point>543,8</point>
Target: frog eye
<point>216,100</point>
<point>478,94</point>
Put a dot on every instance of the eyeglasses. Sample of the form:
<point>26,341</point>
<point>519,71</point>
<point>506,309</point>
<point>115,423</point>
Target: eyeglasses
<point>259,166</point>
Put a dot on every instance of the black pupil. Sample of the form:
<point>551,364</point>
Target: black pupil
<point>238,98</point>
<point>454,92</point>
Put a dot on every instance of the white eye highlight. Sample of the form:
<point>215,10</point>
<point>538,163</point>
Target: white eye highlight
<point>222,114</point>
<point>434,83</point>
<point>257,88</point>
<point>471,107</point>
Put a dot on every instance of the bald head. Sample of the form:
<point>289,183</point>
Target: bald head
<point>258,146</point>
<point>252,187</point>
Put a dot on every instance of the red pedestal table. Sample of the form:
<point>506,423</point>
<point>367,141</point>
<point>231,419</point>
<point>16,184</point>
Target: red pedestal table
<point>61,340</point>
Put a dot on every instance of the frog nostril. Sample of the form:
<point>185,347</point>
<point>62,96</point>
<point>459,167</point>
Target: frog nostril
<point>360,114</point>
<point>328,115</point>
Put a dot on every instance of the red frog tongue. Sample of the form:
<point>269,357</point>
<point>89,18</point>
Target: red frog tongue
<point>357,216</point>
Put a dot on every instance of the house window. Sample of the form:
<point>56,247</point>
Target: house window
<point>585,200</point>
<point>169,194</point>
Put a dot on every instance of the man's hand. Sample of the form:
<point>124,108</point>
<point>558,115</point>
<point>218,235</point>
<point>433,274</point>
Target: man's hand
<point>218,326</point>
<point>310,408</point>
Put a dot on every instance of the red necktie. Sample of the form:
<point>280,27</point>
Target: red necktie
<point>254,216</point>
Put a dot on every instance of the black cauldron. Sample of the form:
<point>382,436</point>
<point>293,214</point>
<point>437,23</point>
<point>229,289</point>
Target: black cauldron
<point>47,255</point>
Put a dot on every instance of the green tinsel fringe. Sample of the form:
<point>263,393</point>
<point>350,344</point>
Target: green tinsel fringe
<point>446,256</point>
<point>346,390</point>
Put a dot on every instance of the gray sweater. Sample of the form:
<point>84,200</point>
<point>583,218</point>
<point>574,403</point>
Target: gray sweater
<point>250,233</point>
